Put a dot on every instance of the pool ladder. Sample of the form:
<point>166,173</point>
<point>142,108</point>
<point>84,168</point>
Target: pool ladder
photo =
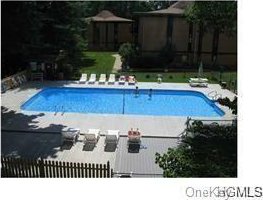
<point>57,110</point>
<point>214,95</point>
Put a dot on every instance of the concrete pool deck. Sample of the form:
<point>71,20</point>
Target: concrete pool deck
<point>13,118</point>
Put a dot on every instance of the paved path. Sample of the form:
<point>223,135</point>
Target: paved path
<point>117,64</point>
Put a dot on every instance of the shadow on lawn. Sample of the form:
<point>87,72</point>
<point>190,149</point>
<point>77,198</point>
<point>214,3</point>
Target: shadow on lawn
<point>87,62</point>
<point>21,136</point>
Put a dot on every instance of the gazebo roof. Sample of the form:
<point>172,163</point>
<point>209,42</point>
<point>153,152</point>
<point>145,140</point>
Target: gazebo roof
<point>107,16</point>
<point>175,9</point>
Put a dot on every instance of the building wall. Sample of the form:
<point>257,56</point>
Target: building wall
<point>152,37</point>
<point>180,34</point>
<point>124,35</point>
<point>152,33</point>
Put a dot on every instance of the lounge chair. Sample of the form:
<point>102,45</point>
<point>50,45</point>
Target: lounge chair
<point>122,80</point>
<point>70,134</point>
<point>92,136</point>
<point>111,79</point>
<point>102,79</point>
<point>131,80</point>
<point>198,82</point>
<point>202,80</point>
<point>134,137</point>
<point>112,137</point>
<point>83,78</point>
<point>92,79</point>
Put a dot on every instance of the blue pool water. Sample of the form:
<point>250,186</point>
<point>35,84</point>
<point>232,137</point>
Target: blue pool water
<point>123,101</point>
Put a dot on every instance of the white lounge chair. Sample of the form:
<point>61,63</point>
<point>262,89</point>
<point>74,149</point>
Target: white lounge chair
<point>122,80</point>
<point>199,80</point>
<point>83,78</point>
<point>70,134</point>
<point>92,136</point>
<point>92,79</point>
<point>198,84</point>
<point>102,79</point>
<point>111,79</point>
<point>112,137</point>
<point>131,80</point>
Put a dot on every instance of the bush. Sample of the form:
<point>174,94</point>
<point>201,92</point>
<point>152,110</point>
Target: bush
<point>127,51</point>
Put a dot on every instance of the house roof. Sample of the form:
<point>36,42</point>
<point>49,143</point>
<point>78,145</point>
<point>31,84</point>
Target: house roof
<point>175,9</point>
<point>107,16</point>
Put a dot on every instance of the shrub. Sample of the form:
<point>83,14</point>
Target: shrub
<point>147,76</point>
<point>127,51</point>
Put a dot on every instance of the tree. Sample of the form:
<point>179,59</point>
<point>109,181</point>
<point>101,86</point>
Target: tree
<point>205,151</point>
<point>32,29</point>
<point>230,104</point>
<point>213,16</point>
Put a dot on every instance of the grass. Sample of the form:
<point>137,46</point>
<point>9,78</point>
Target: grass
<point>97,63</point>
<point>102,63</point>
<point>183,77</point>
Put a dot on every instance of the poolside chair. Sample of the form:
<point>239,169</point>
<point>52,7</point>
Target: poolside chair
<point>122,80</point>
<point>83,78</point>
<point>92,136</point>
<point>70,135</point>
<point>131,80</point>
<point>198,82</point>
<point>102,79</point>
<point>111,79</point>
<point>134,137</point>
<point>92,79</point>
<point>112,137</point>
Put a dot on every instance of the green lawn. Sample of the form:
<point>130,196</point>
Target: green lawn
<point>182,77</point>
<point>97,63</point>
<point>102,63</point>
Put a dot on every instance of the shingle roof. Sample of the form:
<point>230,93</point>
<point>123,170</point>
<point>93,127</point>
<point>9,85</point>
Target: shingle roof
<point>175,9</point>
<point>107,16</point>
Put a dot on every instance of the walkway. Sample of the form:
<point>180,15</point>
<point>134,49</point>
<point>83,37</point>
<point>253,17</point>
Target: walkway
<point>117,64</point>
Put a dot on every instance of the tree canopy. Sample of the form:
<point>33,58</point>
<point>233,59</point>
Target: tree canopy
<point>205,151</point>
<point>34,28</point>
<point>214,15</point>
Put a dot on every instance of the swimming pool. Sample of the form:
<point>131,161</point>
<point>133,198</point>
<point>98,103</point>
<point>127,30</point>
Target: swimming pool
<point>123,101</point>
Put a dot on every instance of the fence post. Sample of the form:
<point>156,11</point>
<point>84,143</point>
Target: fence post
<point>41,168</point>
<point>108,170</point>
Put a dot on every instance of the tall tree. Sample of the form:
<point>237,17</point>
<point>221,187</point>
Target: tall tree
<point>205,151</point>
<point>213,16</point>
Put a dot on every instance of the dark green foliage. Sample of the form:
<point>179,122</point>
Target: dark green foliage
<point>147,76</point>
<point>231,104</point>
<point>214,15</point>
<point>31,30</point>
<point>206,151</point>
<point>127,52</point>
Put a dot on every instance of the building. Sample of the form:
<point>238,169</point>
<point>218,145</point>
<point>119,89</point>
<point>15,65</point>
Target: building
<point>168,27</point>
<point>107,31</point>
